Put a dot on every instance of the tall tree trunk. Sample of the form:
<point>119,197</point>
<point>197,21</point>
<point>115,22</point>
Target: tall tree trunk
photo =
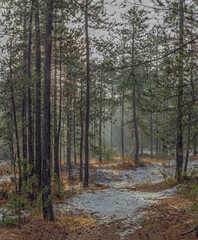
<point>69,139</point>
<point>157,136</point>
<point>47,202</point>
<point>24,102</point>
<point>86,178</point>
<point>136,147</point>
<point>104,135</point>
<point>74,131</point>
<point>81,131</point>
<point>38,95</point>
<point>15,119</point>
<point>179,141</point>
<point>135,124</point>
<point>30,135</point>
<point>56,147</point>
<point>60,106</point>
<point>188,141</point>
<point>151,133</point>
<point>122,125</point>
<point>100,123</point>
<point>142,145</point>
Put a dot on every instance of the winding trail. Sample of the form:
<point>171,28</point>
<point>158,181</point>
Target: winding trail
<point>119,202</point>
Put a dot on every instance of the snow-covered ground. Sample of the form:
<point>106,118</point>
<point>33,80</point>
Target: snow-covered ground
<point>118,202</point>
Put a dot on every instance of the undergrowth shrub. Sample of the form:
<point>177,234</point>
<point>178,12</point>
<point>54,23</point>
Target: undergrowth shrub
<point>108,154</point>
<point>58,188</point>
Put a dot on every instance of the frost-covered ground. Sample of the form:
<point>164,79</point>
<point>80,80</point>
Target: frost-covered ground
<point>117,203</point>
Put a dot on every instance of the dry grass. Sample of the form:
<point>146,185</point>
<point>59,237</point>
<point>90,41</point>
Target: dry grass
<point>193,158</point>
<point>167,221</point>
<point>121,166</point>
<point>150,160</point>
<point>37,228</point>
<point>156,187</point>
<point>97,163</point>
<point>5,170</point>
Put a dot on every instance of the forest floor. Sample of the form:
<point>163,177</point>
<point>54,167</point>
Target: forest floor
<point>123,202</point>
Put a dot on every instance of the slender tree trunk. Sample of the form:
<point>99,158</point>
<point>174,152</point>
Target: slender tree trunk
<point>122,125</point>
<point>69,141</point>
<point>188,141</point>
<point>15,120</point>
<point>142,145</point>
<point>60,105</point>
<point>190,109</point>
<point>38,94</point>
<point>30,134</point>
<point>157,136</point>
<point>104,135</point>
<point>81,132</point>
<point>56,147</point>
<point>47,202</point>
<point>179,142</point>
<point>136,147</point>
<point>74,130</point>
<point>24,102</point>
<point>86,179</point>
<point>100,124</point>
<point>151,133</point>
<point>135,124</point>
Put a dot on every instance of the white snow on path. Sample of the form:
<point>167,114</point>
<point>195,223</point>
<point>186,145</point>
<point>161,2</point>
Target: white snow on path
<point>150,173</point>
<point>117,202</point>
<point>113,204</point>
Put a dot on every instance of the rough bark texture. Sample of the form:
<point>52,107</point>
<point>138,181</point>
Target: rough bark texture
<point>135,124</point>
<point>38,95</point>
<point>100,124</point>
<point>86,178</point>
<point>157,136</point>
<point>56,146</point>
<point>47,202</point>
<point>122,126</point>
<point>151,133</point>
<point>81,132</point>
<point>24,102</point>
<point>30,133</point>
<point>136,136</point>
<point>179,144</point>
<point>69,142</point>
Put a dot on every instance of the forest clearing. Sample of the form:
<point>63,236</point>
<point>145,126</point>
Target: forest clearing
<point>98,119</point>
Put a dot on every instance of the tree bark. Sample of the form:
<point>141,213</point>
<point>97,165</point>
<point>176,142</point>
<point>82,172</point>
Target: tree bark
<point>136,147</point>
<point>81,131</point>
<point>157,136</point>
<point>24,101</point>
<point>69,139</point>
<point>151,133</point>
<point>122,125</point>
<point>135,124</point>
<point>47,202</point>
<point>142,145</point>
<point>179,141</point>
<point>56,147</point>
<point>100,124</point>
<point>38,95</point>
<point>86,178</point>
<point>30,135</point>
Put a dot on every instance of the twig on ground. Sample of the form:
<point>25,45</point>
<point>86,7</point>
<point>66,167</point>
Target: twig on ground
<point>186,233</point>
